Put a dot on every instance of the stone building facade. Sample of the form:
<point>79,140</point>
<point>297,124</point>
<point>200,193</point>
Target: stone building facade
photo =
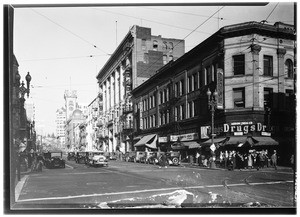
<point>250,65</point>
<point>135,60</point>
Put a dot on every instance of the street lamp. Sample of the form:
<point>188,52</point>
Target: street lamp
<point>21,91</point>
<point>212,105</point>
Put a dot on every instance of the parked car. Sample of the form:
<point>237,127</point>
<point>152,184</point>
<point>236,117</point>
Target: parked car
<point>71,156</point>
<point>97,158</point>
<point>154,158</point>
<point>139,155</point>
<point>129,156</point>
<point>81,157</point>
<point>173,158</point>
<point>113,156</point>
<point>54,160</point>
<point>145,158</point>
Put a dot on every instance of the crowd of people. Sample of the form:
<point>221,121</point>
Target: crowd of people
<point>231,159</point>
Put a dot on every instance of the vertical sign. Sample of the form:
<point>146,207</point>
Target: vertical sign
<point>220,88</point>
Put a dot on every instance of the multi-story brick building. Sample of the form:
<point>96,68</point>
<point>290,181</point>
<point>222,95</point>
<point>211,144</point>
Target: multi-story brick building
<point>134,61</point>
<point>251,66</point>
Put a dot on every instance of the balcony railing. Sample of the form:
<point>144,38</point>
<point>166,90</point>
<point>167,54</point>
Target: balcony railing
<point>127,109</point>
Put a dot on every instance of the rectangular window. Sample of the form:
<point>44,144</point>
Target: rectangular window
<point>208,75</point>
<point>143,44</point>
<point>268,93</point>
<point>190,109</point>
<point>177,90</point>
<point>195,79</point>
<point>165,95</point>
<point>176,113</point>
<point>190,83</point>
<point>239,97</point>
<point>268,65</point>
<point>182,112</point>
<point>239,64</point>
<point>161,97</point>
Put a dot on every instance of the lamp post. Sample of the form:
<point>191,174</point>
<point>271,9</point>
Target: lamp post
<point>21,91</point>
<point>212,105</point>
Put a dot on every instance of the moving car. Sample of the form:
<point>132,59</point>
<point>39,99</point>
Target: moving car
<point>97,158</point>
<point>81,157</point>
<point>54,160</point>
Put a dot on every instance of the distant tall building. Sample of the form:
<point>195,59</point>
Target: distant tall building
<point>70,102</point>
<point>61,124</point>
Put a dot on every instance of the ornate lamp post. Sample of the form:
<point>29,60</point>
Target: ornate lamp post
<point>212,105</point>
<point>21,91</point>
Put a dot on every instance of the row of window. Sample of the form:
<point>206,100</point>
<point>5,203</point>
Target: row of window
<point>166,45</point>
<point>239,66</point>
<point>164,116</point>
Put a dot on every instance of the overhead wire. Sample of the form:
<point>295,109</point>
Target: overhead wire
<point>139,18</point>
<point>64,28</point>
<point>62,58</point>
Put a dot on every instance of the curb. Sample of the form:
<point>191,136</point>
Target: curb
<point>19,187</point>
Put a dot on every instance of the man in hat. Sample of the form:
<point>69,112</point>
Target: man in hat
<point>274,159</point>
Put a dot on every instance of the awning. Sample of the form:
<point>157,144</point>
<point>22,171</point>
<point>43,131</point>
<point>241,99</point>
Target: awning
<point>264,140</point>
<point>192,144</point>
<point>216,140</point>
<point>149,141</point>
<point>240,141</point>
<point>178,146</point>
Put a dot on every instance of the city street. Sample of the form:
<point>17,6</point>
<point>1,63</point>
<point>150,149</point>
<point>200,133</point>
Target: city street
<point>136,185</point>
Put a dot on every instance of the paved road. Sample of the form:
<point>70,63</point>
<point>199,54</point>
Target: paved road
<point>124,184</point>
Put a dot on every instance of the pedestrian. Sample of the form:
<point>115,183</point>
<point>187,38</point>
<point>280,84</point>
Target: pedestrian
<point>250,161</point>
<point>226,158</point>
<point>163,161</point>
<point>198,158</point>
<point>274,159</point>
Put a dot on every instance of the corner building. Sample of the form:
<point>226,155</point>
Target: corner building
<point>135,60</point>
<point>251,66</point>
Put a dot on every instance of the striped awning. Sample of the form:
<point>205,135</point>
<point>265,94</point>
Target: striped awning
<point>149,141</point>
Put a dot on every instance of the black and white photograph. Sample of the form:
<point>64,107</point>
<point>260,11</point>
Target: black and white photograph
<point>150,107</point>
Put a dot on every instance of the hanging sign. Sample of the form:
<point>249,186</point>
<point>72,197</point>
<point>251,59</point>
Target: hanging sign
<point>220,88</point>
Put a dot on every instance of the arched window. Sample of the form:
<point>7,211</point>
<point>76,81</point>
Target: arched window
<point>171,46</point>
<point>155,45</point>
<point>288,68</point>
<point>165,45</point>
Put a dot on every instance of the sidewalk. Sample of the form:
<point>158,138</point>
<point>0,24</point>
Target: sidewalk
<point>195,165</point>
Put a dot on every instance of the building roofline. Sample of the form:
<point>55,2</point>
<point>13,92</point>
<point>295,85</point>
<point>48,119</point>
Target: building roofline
<point>226,32</point>
<point>113,56</point>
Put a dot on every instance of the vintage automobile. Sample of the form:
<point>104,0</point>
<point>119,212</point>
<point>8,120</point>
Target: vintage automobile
<point>145,158</point>
<point>139,155</point>
<point>154,158</point>
<point>81,157</point>
<point>129,156</point>
<point>54,160</point>
<point>71,156</point>
<point>173,158</point>
<point>97,158</point>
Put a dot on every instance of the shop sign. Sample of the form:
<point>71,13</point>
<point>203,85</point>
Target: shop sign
<point>237,128</point>
<point>220,88</point>
<point>163,139</point>
<point>204,132</point>
<point>184,137</point>
<point>265,134</point>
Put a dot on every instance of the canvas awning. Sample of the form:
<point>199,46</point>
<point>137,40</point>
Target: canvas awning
<point>149,141</point>
<point>240,141</point>
<point>264,140</point>
<point>192,144</point>
<point>216,140</point>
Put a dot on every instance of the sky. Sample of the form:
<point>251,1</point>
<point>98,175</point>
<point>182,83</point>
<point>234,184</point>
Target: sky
<point>65,47</point>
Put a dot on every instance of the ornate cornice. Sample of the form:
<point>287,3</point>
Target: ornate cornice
<point>255,48</point>
<point>281,52</point>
